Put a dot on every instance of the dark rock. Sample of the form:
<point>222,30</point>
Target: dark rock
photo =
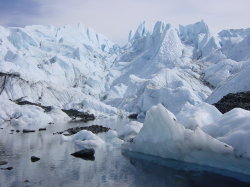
<point>8,168</point>
<point>12,130</point>
<point>86,154</point>
<point>84,116</point>
<point>42,129</point>
<point>34,159</point>
<point>28,131</point>
<point>53,60</point>
<point>17,131</point>
<point>11,133</point>
<point>21,102</point>
<point>3,163</point>
<point>131,140</point>
<point>15,74</point>
<point>93,128</point>
<point>26,181</point>
<point>234,100</point>
<point>50,123</point>
<point>133,116</point>
<point>1,128</point>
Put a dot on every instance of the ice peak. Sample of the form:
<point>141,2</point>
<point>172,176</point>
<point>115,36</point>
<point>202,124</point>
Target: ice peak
<point>159,27</point>
<point>141,31</point>
<point>202,26</point>
<point>196,28</point>
<point>130,36</point>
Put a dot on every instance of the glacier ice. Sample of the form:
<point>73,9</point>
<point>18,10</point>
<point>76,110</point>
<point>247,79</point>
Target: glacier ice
<point>198,116</point>
<point>180,70</point>
<point>75,66</point>
<point>27,116</point>
<point>233,128</point>
<point>237,83</point>
<point>87,139</point>
<point>56,66</point>
<point>162,136</point>
<point>130,130</point>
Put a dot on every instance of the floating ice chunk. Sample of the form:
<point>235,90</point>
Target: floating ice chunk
<point>162,136</point>
<point>111,139</point>
<point>88,139</point>
<point>130,130</point>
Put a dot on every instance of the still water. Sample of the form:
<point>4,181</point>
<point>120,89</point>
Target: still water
<point>111,167</point>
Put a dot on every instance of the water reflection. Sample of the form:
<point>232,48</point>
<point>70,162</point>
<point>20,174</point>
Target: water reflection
<point>110,168</point>
<point>166,172</point>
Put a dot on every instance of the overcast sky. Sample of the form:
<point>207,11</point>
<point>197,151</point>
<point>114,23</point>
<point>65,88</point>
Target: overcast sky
<point>114,18</point>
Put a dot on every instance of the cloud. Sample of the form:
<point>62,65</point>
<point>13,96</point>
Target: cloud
<point>15,12</point>
<point>114,18</point>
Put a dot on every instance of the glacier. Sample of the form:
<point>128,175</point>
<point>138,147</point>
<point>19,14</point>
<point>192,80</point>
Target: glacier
<point>176,67</point>
<point>65,67</point>
<point>168,76</point>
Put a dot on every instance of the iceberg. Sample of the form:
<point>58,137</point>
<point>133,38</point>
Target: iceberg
<point>161,135</point>
<point>129,130</point>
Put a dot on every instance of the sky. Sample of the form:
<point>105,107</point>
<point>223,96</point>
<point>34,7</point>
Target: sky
<point>115,18</point>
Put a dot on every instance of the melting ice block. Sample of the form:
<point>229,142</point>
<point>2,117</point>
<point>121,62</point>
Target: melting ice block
<point>162,136</point>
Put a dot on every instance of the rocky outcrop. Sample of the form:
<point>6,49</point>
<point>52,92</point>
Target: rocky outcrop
<point>234,100</point>
<point>28,131</point>
<point>93,128</point>
<point>74,114</point>
<point>34,159</point>
<point>132,116</point>
<point>21,102</point>
<point>86,154</point>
